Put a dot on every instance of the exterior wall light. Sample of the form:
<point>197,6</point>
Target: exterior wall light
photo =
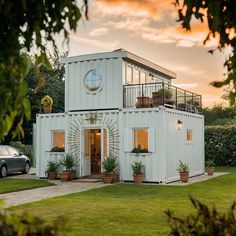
<point>179,124</point>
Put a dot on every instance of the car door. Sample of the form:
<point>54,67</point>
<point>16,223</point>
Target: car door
<point>6,158</point>
<point>18,161</point>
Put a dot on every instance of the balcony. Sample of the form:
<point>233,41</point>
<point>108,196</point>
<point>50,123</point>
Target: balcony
<point>160,94</point>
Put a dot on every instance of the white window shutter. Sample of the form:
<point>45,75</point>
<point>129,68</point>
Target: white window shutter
<point>50,141</point>
<point>128,140</point>
<point>151,140</point>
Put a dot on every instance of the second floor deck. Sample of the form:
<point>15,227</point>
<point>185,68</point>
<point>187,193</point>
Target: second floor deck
<point>160,94</point>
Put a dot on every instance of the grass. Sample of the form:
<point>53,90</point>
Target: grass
<point>128,209</point>
<point>12,185</point>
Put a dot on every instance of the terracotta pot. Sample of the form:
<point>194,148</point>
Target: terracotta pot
<point>138,178</point>
<point>184,176</point>
<point>47,109</point>
<point>115,177</point>
<point>143,102</point>
<point>107,179</point>
<point>210,170</point>
<point>52,175</point>
<point>72,174</point>
<point>65,176</point>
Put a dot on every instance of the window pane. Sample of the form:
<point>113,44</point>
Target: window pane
<point>136,76</point>
<point>142,77</point>
<point>189,135</point>
<point>93,80</point>
<point>141,138</point>
<point>12,151</point>
<point>129,75</point>
<point>3,151</point>
<point>58,139</point>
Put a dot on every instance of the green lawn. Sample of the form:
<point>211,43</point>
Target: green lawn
<point>12,185</point>
<point>128,209</point>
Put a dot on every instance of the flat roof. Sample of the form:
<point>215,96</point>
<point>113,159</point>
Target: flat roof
<point>120,53</point>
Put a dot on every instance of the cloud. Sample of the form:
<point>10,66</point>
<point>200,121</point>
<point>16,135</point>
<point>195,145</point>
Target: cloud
<point>155,9</point>
<point>150,20</point>
<point>99,32</point>
<point>106,45</point>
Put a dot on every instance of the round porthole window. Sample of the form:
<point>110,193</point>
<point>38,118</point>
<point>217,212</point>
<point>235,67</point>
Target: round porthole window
<point>93,81</point>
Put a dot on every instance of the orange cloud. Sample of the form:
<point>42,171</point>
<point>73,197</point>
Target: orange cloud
<point>155,9</point>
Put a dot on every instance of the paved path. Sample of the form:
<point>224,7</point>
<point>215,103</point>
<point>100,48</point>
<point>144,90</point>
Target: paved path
<point>32,195</point>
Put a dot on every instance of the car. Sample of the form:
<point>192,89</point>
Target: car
<point>12,160</point>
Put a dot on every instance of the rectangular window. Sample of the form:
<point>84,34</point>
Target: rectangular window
<point>58,140</point>
<point>141,139</point>
<point>129,75</point>
<point>189,135</point>
<point>142,77</point>
<point>136,76</point>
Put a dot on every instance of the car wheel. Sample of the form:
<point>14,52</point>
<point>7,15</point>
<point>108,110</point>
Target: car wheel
<point>3,171</point>
<point>27,168</point>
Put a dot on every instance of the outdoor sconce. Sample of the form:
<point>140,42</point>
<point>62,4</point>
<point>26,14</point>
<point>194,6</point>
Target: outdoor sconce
<point>179,124</point>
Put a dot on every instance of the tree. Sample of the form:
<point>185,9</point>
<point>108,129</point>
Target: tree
<point>221,20</point>
<point>27,24</point>
<point>54,87</point>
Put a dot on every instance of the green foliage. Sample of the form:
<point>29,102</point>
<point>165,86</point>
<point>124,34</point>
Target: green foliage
<point>58,149</point>
<point>183,167</point>
<point>221,22</point>
<point>46,101</point>
<point>25,224</point>
<point>24,148</point>
<point>109,165</point>
<point>205,222</point>
<point>209,163</point>
<point>220,145</point>
<point>69,161</point>
<point>137,167</point>
<point>140,150</point>
<point>163,92</point>
<point>219,115</point>
<point>25,25</point>
<point>52,166</point>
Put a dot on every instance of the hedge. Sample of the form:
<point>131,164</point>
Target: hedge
<point>220,145</point>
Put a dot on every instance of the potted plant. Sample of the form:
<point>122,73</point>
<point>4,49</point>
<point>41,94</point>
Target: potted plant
<point>109,165</point>
<point>143,102</point>
<point>52,169</point>
<point>46,103</point>
<point>161,97</point>
<point>183,171</point>
<point>138,172</point>
<point>210,167</point>
<point>69,161</point>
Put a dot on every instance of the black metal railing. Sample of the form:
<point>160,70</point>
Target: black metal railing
<point>160,94</point>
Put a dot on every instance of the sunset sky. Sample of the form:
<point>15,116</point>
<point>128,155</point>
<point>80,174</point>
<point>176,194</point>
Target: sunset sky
<point>149,29</point>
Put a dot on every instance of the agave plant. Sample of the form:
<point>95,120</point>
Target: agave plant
<point>109,165</point>
<point>69,161</point>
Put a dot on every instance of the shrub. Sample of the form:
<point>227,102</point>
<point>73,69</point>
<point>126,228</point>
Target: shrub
<point>26,149</point>
<point>220,145</point>
<point>25,224</point>
<point>137,167</point>
<point>46,101</point>
<point>109,165</point>
<point>69,161</point>
<point>205,222</point>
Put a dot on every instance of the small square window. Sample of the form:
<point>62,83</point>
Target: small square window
<point>141,139</point>
<point>58,143</point>
<point>189,135</point>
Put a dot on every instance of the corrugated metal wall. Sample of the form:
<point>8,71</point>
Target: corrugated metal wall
<point>177,146</point>
<point>77,98</point>
<point>45,125</point>
<point>171,143</point>
<point>141,118</point>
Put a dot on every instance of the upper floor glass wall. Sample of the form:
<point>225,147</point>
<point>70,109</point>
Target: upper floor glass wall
<point>138,75</point>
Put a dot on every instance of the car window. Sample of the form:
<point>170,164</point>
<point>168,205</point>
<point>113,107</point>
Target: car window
<point>3,151</point>
<point>12,151</point>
